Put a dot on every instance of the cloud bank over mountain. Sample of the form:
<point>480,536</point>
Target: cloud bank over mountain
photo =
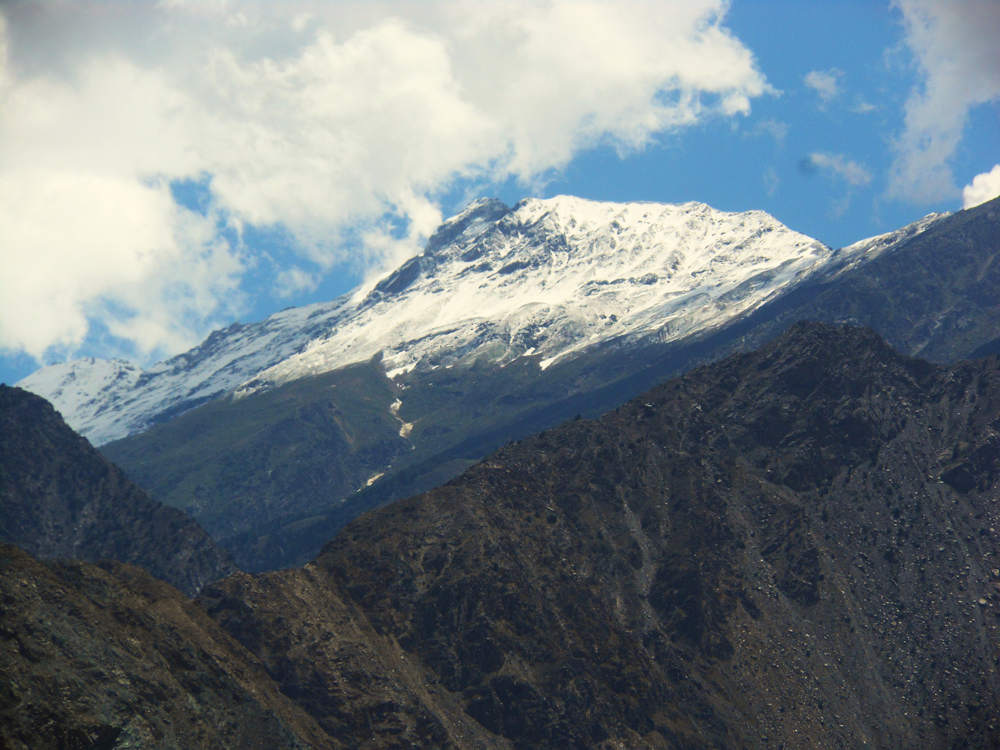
<point>954,43</point>
<point>983,187</point>
<point>167,168</point>
<point>327,121</point>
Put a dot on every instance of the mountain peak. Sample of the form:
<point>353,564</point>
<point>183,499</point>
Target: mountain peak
<point>555,276</point>
<point>471,221</point>
<point>549,278</point>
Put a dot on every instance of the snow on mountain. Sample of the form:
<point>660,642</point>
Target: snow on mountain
<point>114,408</point>
<point>84,389</point>
<point>869,249</point>
<point>555,276</point>
<point>548,278</point>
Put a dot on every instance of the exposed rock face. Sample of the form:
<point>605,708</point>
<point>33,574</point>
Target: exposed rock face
<point>107,657</point>
<point>323,651</point>
<point>60,498</point>
<point>792,548</point>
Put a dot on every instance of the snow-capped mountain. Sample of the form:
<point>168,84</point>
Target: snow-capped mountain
<point>548,278</point>
<point>555,276</point>
<point>868,249</point>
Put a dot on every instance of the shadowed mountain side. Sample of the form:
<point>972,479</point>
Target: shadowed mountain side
<point>459,416</point>
<point>59,497</point>
<point>274,482</point>
<point>795,547</point>
<point>791,548</point>
<point>102,657</point>
<point>935,296</point>
<point>239,464</point>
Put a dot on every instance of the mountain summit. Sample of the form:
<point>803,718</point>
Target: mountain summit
<point>546,278</point>
<point>552,277</point>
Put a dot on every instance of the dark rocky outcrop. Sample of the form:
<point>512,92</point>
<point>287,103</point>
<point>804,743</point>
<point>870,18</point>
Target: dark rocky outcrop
<point>791,548</point>
<point>102,657</point>
<point>795,548</point>
<point>60,498</point>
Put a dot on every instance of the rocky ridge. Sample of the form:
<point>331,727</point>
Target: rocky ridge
<point>932,293</point>
<point>794,547</point>
<point>102,657</point>
<point>59,497</point>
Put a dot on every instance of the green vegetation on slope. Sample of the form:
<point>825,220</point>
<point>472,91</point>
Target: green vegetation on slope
<point>237,463</point>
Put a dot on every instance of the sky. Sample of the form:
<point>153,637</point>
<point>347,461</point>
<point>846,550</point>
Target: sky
<point>168,168</point>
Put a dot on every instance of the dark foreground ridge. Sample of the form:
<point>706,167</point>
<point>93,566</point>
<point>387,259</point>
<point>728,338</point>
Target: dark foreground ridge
<point>60,498</point>
<point>791,548</point>
<point>102,657</point>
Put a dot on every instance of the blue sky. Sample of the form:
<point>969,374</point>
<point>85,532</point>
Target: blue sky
<point>168,168</point>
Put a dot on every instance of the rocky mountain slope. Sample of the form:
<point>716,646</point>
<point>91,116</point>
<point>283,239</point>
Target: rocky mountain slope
<point>60,498</point>
<point>548,277</point>
<point>108,657</point>
<point>935,294</point>
<point>791,548</point>
<point>795,547</point>
<point>456,414</point>
<point>249,467</point>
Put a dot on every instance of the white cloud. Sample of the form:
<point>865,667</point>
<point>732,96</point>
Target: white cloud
<point>954,43</point>
<point>774,128</point>
<point>294,280</point>
<point>321,118</point>
<point>824,83</point>
<point>850,171</point>
<point>984,187</point>
<point>79,246</point>
<point>771,181</point>
<point>861,107</point>
<point>843,168</point>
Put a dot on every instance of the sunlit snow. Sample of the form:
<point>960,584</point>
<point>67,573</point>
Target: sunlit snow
<point>548,278</point>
